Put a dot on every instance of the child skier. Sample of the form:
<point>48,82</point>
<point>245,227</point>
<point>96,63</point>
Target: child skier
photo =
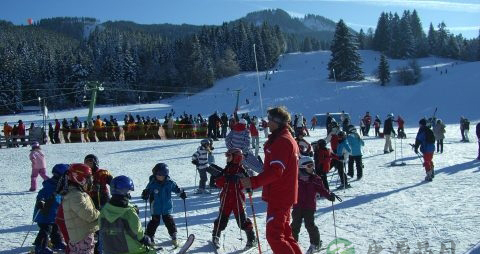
<point>38,165</point>
<point>101,178</point>
<point>120,227</point>
<point>81,217</point>
<point>426,141</point>
<point>45,211</point>
<point>232,198</point>
<point>200,160</point>
<point>356,143</point>
<point>323,158</point>
<point>309,185</point>
<point>159,191</point>
<point>343,151</point>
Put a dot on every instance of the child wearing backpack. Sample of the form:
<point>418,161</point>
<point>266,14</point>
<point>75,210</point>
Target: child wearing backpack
<point>159,191</point>
<point>48,201</point>
<point>426,141</point>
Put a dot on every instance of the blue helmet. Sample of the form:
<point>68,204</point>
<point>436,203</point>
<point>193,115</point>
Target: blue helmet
<point>60,169</point>
<point>121,185</point>
<point>161,169</point>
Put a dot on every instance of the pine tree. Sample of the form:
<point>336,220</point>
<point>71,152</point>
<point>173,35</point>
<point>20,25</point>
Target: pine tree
<point>383,70</point>
<point>361,39</point>
<point>381,39</point>
<point>407,43</point>
<point>345,64</point>
<point>432,38</point>
<point>307,45</point>
<point>478,46</point>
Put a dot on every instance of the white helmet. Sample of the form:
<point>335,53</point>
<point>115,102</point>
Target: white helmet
<point>305,160</point>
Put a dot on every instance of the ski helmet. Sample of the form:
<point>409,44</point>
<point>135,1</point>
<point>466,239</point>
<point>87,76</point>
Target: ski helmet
<point>322,143</point>
<point>390,115</point>
<point>236,153</point>
<point>121,185</point>
<point>35,145</point>
<point>94,159</point>
<point>304,161</point>
<point>161,169</point>
<point>79,173</point>
<point>423,122</point>
<point>204,142</point>
<point>59,169</point>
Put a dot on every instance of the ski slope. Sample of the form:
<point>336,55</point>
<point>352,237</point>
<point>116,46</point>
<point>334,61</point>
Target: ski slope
<point>389,207</point>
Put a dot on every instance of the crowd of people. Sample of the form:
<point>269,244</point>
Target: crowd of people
<point>82,208</point>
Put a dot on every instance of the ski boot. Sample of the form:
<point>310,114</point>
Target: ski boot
<point>216,242</point>
<point>251,241</point>
<point>174,240</point>
<point>314,248</point>
<point>429,177</point>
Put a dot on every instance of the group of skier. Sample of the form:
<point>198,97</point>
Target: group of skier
<point>76,211</point>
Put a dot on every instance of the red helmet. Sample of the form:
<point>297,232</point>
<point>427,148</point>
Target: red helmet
<point>79,173</point>
<point>236,153</point>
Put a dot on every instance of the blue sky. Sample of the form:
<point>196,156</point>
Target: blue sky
<point>461,16</point>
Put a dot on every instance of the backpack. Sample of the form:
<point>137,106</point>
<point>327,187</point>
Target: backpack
<point>429,136</point>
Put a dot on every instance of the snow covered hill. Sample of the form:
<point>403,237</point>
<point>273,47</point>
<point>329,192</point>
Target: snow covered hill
<point>300,83</point>
<point>389,209</point>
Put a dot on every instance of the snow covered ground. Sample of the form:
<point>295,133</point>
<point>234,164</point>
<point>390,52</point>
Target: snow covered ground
<point>389,207</point>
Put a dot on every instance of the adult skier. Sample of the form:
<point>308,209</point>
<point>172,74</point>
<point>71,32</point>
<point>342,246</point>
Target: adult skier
<point>387,133</point>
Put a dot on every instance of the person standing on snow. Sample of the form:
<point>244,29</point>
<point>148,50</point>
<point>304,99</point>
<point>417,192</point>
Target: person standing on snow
<point>439,132</point>
<point>387,132</point>
<point>279,179</point>
<point>265,128</point>
<point>81,217</point>
<point>343,150</point>
<point>314,123</point>
<point>239,137</point>
<point>356,143</point>
<point>426,141</point>
<point>255,136</point>
<point>39,165</point>
<point>367,120</point>
<point>377,124</point>
<point>232,199</point>
<point>45,211</point>
<point>159,191</point>
<point>120,227</point>
<point>309,184</point>
<point>200,160</point>
<point>478,138</point>
<point>401,127</point>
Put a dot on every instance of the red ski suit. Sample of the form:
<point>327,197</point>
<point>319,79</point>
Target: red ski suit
<point>324,158</point>
<point>280,188</point>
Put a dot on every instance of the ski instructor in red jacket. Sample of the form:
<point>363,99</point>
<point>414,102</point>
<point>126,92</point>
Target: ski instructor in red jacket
<point>279,179</point>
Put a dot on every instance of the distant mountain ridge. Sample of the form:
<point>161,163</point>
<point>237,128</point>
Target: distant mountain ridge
<point>314,26</point>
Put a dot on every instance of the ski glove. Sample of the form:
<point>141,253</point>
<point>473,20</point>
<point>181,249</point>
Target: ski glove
<point>195,162</point>
<point>145,194</point>
<point>415,149</point>
<point>40,204</point>
<point>136,209</point>
<point>332,197</point>
<point>183,195</point>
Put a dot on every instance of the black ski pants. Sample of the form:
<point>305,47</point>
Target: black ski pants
<point>298,216</point>
<point>341,171</point>
<point>359,165</point>
<point>440,145</point>
<point>243,222</point>
<point>367,129</point>
<point>155,222</point>
<point>48,231</point>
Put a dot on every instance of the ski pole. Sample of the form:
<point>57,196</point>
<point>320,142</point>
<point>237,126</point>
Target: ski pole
<point>222,203</point>
<point>33,221</point>
<point>334,222</point>
<point>250,191</point>
<point>185,210</point>
<point>238,212</point>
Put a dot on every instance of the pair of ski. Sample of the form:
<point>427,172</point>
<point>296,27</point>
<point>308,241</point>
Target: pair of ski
<point>181,249</point>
